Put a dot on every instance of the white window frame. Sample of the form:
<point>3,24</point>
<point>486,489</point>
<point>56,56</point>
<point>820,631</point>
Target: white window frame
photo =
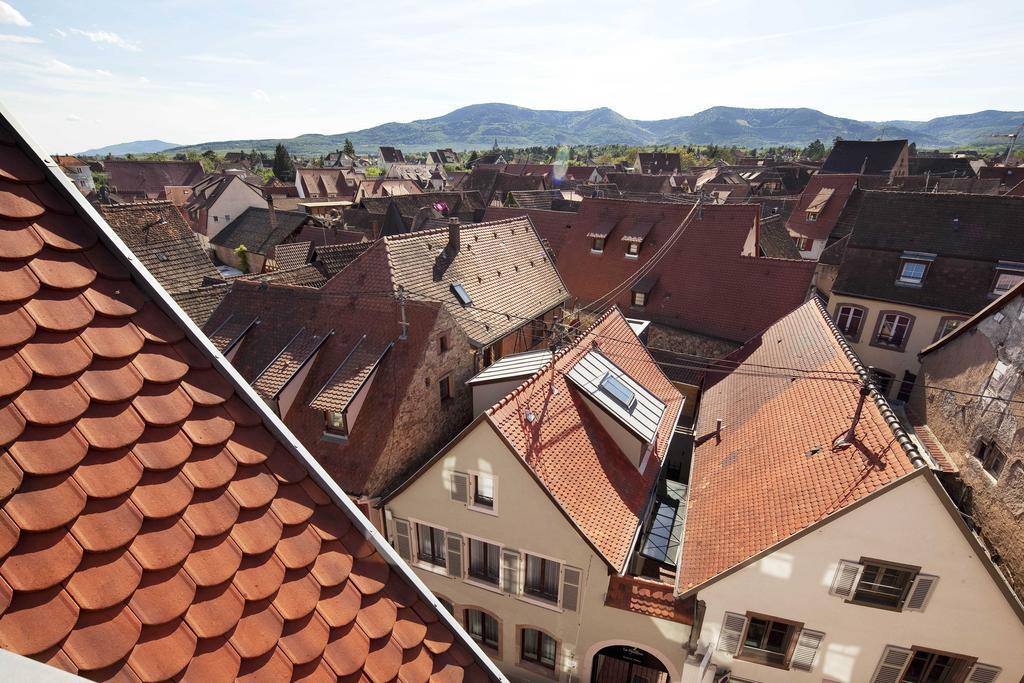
<point>812,216</point>
<point>1000,274</point>
<point>901,277</point>
<point>470,579</point>
<point>471,503</point>
<point>521,594</point>
<point>630,245</point>
<point>414,543</point>
<point>851,308</point>
<point>593,243</point>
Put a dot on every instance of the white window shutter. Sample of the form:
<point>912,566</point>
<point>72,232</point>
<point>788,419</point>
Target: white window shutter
<point>571,588</point>
<point>894,661</point>
<point>983,673</point>
<point>733,626</point>
<point>460,487</point>
<point>403,543</point>
<point>806,649</point>
<point>510,571</point>
<point>920,592</point>
<point>846,579</point>
<point>454,548</point>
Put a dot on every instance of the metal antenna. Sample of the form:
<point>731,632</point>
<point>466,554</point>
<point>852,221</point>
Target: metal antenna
<point>401,306</point>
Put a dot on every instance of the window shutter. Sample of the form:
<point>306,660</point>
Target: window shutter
<point>460,487</point>
<point>806,649</point>
<point>510,571</point>
<point>733,627</point>
<point>983,673</point>
<point>454,547</point>
<point>846,579</point>
<point>890,668</point>
<point>571,588</point>
<point>402,542</point>
<point>919,593</point>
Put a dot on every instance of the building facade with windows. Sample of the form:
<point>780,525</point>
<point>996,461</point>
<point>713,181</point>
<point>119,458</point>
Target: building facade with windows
<point>529,523</point>
<point>819,542</point>
<point>917,265</point>
<point>817,213</point>
<point>970,401</point>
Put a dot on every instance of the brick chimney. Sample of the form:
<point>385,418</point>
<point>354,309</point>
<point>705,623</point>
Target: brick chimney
<point>454,234</point>
<point>272,216</point>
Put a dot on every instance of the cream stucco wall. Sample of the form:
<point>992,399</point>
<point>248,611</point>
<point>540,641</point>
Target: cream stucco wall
<point>237,197</point>
<point>923,333</point>
<point>966,614</point>
<point>529,521</point>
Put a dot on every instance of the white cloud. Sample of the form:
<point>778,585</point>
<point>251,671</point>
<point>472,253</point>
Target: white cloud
<point>59,66</point>
<point>9,15</point>
<point>260,95</point>
<point>8,38</point>
<point>223,59</point>
<point>108,38</point>
<point>59,32</point>
<point>73,117</point>
<point>104,73</point>
<point>143,79</point>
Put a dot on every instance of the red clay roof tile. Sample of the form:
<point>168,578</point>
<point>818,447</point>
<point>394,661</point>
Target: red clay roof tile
<point>212,512</point>
<point>111,381</point>
<point>377,616</point>
<point>339,605</point>
<point>114,298</point>
<point>162,650</point>
<point>298,594</point>
<point>258,629</point>
<point>41,560</point>
<point>257,531</point>
<point>163,595</point>
<point>104,474</point>
<point>104,579</point>
<point>215,610</point>
<point>112,337</point>
<point>16,325</point>
<point>12,424</point>
<point>16,281</point>
<point>162,543</point>
<point>273,666</point>
<point>37,620</point>
<point>46,502</point>
<point>67,234</point>
<point>303,639</point>
<point>259,576</point>
<point>52,401</point>
<point>346,649</point>
<point>333,565</point>
<point>161,449</point>
<point>111,425</point>
<point>18,240</point>
<point>49,450</point>
<point>107,523</point>
<point>253,486</point>
<point>62,269</point>
<point>298,546</point>
<point>18,202</point>
<point>162,404</point>
<point>102,637</point>
<point>214,660</point>
<point>210,467</point>
<point>53,354</point>
<point>213,560</point>
<point>60,311</point>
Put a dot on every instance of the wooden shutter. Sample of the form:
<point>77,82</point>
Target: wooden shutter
<point>733,627</point>
<point>983,673</point>
<point>571,588</point>
<point>919,593</point>
<point>806,649</point>
<point>454,555</point>
<point>403,543</point>
<point>460,487</point>
<point>510,571</point>
<point>891,666</point>
<point>846,579</point>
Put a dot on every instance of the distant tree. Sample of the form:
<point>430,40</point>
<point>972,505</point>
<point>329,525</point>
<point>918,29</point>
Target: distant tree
<point>913,149</point>
<point>283,166</point>
<point>815,150</point>
<point>373,171</point>
<point>181,156</point>
<point>473,156</point>
<point>349,148</point>
<point>129,156</point>
<point>836,139</point>
<point>242,252</point>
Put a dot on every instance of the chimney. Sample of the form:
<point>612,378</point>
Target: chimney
<point>273,215</point>
<point>454,232</point>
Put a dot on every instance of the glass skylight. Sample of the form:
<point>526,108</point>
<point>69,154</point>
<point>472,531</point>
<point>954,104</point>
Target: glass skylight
<point>461,294</point>
<point>622,394</point>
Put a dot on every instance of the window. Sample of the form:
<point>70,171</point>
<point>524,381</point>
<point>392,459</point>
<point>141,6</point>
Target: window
<point>539,648</point>
<point>622,394</point>
<point>767,640</point>
<point>812,216</point>
<point>906,386</point>
<point>227,218</point>
<point>461,294</point>
<point>804,243</point>
<point>597,245</point>
<point>214,219</point>
<point>893,330</point>
<point>850,320</point>
<point>912,272</point>
<point>933,667</point>
<point>445,387</point>
<point>482,627</point>
<point>947,325</point>
<point>542,578</point>
<point>991,458</point>
<point>633,249</point>
<point>883,381</point>
<point>483,491</point>
<point>431,545</point>
<point>883,585</point>
<point>1005,282</point>
<point>336,423</point>
<point>442,343</point>
<point>639,299</point>
<point>484,562</point>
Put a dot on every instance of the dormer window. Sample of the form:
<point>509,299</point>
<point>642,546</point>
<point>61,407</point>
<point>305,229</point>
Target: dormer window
<point>1008,275</point>
<point>597,246</point>
<point>913,267</point>
<point>812,216</point>
<point>632,249</point>
<point>818,203</point>
<point>622,394</point>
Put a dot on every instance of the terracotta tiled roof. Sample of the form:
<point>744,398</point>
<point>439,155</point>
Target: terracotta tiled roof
<point>637,182</point>
<point>829,212</point>
<point>775,241</point>
<point>501,264</point>
<point>292,358</point>
<point>333,257</point>
<point>142,222</point>
<point>863,156</point>
<point>293,255</point>
<point>343,385</point>
<point>774,471</point>
<point>1017,190</point>
<point>651,598</point>
<point>149,178</point>
<point>303,276</point>
<point>705,284</point>
<point>596,485</point>
<point>255,229</point>
<point>200,302</point>
<point>157,522</point>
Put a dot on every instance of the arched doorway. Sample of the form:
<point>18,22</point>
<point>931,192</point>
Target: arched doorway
<point>627,664</point>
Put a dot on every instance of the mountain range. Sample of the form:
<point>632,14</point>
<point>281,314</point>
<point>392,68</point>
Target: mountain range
<point>478,126</point>
<point>135,147</point>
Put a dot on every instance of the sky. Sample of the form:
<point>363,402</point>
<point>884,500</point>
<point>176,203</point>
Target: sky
<point>80,75</point>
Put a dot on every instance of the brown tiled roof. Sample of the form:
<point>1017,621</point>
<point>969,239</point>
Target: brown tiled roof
<point>829,210</point>
<point>342,386</point>
<point>149,178</point>
<point>773,470</point>
<point>303,276</point>
<point>333,257</point>
<point>659,162</point>
<point>293,254</point>
<point>142,222</point>
<point>637,182</point>
<point>325,182</point>
<point>705,284</point>
<point>574,458</point>
<point>177,264</point>
<point>649,598</point>
<point>872,157</point>
<point>774,239</point>
<point>157,521</point>
<point>200,302</point>
<point>501,264</point>
<point>292,358</point>
<point>254,229</point>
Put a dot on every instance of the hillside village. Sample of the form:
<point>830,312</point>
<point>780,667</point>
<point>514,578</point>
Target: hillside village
<point>656,417</point>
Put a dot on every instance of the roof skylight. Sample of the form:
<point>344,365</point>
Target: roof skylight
<point>461,294</point>
<point>622,394</point>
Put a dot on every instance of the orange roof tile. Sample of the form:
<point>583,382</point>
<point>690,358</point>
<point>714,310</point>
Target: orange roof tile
<point>587,474</point>
<point>155,522</point>
<point>774,471</point>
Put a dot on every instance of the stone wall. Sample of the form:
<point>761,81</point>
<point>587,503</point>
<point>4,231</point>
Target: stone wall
<point>963,423</point>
